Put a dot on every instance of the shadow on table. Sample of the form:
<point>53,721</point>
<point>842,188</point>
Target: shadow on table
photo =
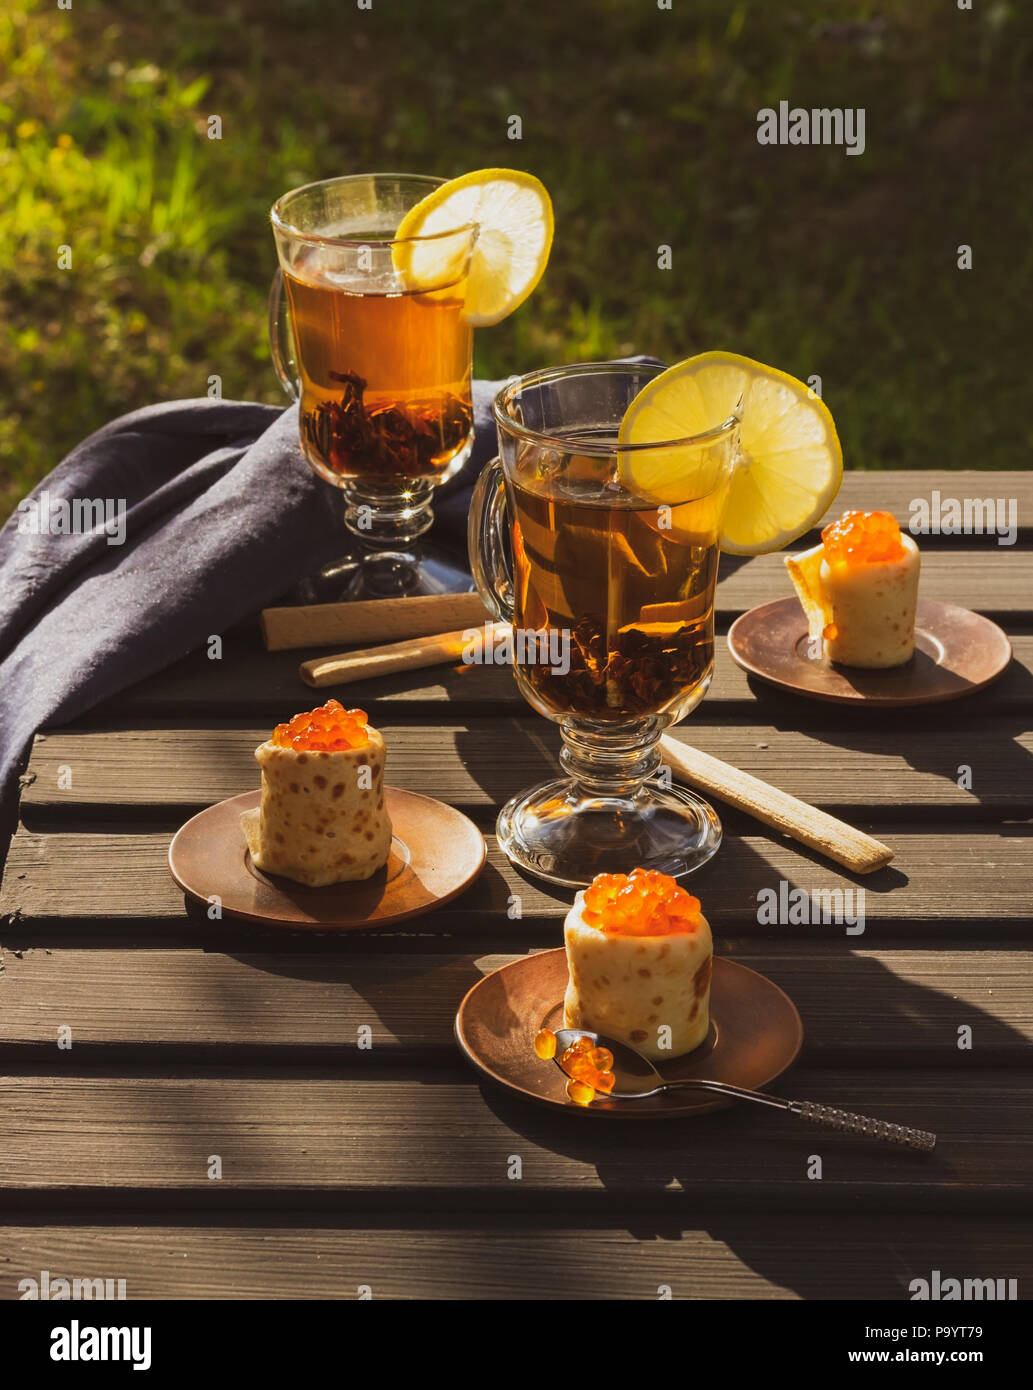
<point>993,752</point>
<point>396,993</point>
<point>867,1031</point>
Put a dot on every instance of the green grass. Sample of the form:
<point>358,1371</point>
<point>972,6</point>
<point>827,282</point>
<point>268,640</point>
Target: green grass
<point>641,122</point>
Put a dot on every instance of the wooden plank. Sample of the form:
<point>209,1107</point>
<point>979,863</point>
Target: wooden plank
<point>375,1140</point>
<point>174,1004</point>
<point>249,681</point>
<point>903,492</point>
<point>761,1256</point>
<point>972,880</point>
<point>911,766</point>
<point>998,582</point>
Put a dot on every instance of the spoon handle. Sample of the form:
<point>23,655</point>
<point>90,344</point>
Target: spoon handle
<point>829,1115</point>
<point>864,1124</point>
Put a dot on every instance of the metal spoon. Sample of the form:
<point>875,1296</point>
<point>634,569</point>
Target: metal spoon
<point>636,1078</point>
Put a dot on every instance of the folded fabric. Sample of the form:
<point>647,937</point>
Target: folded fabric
<point>196,513</point>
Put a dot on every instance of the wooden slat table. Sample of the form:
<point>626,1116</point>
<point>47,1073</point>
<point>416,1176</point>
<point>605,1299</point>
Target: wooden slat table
<point>391,1167</point>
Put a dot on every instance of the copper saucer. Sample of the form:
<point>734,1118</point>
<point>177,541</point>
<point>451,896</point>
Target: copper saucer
<point>436,852</point>
<point>755,1033</point>
<point>956,653</point>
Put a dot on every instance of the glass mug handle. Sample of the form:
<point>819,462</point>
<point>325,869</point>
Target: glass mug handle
<point>281,339</point>
<point>486,540</point>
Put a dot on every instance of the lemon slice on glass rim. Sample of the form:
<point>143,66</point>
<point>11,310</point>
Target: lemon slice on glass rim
<point>514,219</point>
<point>790,466</point>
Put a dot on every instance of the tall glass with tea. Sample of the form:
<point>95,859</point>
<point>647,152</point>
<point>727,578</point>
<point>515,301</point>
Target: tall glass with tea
<point>623,589</point>
<point>381,371</point>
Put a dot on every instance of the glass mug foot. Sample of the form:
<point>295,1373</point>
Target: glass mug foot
<point>364,574</point>
<point>558,832</point>
<point>425,569</point>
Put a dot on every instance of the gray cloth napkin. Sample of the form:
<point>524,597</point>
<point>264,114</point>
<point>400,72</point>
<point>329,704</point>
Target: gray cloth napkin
<point>198,512</point>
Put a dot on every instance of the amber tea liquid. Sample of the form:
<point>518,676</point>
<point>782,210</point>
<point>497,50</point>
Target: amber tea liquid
<point>385,376</point>
<point>632,584</point>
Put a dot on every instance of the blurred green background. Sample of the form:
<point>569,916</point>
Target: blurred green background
<point>642,122</point>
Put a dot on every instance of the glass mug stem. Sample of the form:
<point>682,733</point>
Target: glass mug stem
<point>387,518</point>
<point>611,762</point>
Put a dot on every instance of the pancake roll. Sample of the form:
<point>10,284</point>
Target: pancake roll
<point>322,817</point>
<point>639,957</point>
<point>859,590</point>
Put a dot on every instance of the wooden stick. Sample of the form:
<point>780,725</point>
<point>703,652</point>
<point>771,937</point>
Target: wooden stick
<point>398,656</point>
<point>369,620</point>
<point>831,837</point>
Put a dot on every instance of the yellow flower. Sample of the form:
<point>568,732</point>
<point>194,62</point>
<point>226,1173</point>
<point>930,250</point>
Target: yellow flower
<point>65,141</point>
<point>26,129</point>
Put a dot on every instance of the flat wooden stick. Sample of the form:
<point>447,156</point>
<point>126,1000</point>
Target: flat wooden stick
<point>411,655</point>
<point>831,837</point>
<point>369,620</point>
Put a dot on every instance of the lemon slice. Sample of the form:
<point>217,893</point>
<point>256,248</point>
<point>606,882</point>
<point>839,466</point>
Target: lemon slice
<point>791,463</point>
<point>513,213</point>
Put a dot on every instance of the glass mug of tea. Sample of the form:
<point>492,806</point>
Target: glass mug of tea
<point>381,372</point>
<point>611,601</point>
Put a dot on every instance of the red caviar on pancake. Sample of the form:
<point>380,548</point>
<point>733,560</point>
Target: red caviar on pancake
<point>642,903</point>
<point>328,729</point>
<point>863,538</point>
